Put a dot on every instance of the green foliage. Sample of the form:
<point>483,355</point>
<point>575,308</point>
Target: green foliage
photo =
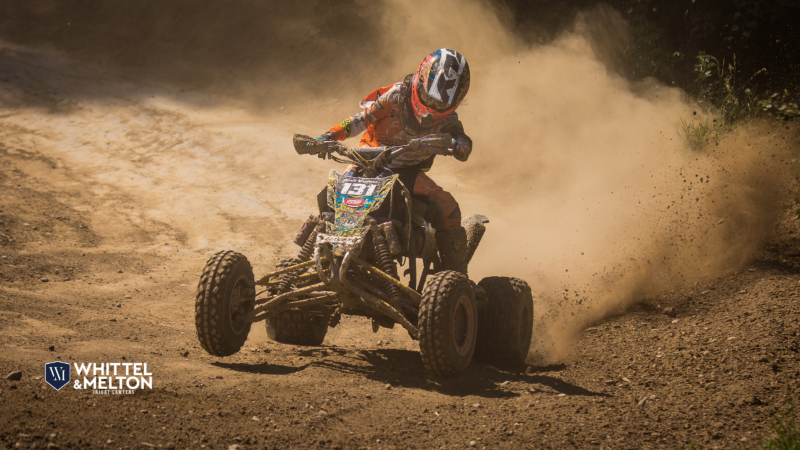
<point>696,132</point>
<point>785,428</point>
<point>780,106</point>
<point>717,89</point>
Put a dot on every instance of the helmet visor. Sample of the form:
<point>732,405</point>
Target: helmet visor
<point>432,102</point>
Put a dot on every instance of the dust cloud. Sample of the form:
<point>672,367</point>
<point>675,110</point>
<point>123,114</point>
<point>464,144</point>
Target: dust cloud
<point>592,195</point>
<point>594,198</point>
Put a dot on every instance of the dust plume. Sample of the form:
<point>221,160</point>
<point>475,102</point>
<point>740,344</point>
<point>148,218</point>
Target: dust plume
<point>594,198</point>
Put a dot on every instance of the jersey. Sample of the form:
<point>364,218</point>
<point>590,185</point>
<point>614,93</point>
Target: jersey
<point>387,119</point>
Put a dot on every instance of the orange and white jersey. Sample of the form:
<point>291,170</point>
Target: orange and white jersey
<point>387,120</point>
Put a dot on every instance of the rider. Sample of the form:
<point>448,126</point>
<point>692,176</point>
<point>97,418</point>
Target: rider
<point>423,103</point>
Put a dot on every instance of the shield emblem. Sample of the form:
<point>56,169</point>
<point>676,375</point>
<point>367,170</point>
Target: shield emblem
<point>56,374</point>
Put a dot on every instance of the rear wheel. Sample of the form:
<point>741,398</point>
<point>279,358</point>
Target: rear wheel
<point>506,324</point>
<point>225,295</point>
<point>448,325</point>
<point>297,327</point>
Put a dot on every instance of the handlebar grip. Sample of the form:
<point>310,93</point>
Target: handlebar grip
<point>306,145</point>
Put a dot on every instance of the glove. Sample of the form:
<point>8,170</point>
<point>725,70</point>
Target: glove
<point>461,152</point>
<point>324,138</point>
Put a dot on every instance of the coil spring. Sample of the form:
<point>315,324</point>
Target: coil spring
<point>384,260</point>
<point>308,247</point>
<point>303,256</point>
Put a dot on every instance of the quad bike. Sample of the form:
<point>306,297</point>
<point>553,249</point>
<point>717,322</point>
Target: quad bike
<point>368,226</point>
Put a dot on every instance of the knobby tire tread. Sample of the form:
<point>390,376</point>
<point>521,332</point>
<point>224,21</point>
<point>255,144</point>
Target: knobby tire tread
<point>293,326</point>
<point>296,327</point>
<point>498,325</point>
<point>432,319</point>
<point>209,302</point>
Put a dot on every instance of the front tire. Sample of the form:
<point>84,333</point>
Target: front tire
<point>448,324</point>
<point>224,295</point>
<point>506,325</point>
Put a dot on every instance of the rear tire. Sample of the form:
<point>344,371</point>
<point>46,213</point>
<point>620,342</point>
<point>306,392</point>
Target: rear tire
<point>448,324</point>
<point>297,327</point>
<point>506,324</point>
<point>294,326</point>
<point>224,294</point>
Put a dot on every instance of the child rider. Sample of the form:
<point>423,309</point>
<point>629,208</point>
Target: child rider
<point>423,103</point>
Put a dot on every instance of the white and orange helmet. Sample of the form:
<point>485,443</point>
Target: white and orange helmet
<point>439,86</point>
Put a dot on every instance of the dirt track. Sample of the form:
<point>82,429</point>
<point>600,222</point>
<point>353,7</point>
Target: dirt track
<point>118,203</point>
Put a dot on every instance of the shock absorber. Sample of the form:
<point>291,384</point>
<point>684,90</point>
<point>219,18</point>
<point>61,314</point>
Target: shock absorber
<point>308,247</point>
<point>306,230</point>
<point>305,254</point>
<point>384,262</point>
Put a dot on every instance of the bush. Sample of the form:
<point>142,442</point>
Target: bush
<point>716,89</point>
<point>780,106</point>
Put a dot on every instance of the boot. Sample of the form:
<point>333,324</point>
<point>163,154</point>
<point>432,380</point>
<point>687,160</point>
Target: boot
<point>453,249</point>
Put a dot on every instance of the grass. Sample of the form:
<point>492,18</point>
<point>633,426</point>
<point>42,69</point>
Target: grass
<point>696,132</point>
<point>717,91</point>
<point>785,428</point>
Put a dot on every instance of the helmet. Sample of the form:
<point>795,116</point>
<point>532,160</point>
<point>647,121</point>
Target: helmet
<point>439,85</point>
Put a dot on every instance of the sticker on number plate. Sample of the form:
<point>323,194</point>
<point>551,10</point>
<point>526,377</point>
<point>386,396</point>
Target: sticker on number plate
<point>353,198</point>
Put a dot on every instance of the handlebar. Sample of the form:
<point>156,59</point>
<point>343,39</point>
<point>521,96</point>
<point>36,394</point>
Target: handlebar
<point>437,144</point>
<point>372,159</point>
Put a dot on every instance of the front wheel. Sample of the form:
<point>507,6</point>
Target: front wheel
<point>506,325</point>
<point>448,324</point>
<point>224,296</point>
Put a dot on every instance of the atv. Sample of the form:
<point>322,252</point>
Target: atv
<point>369,225</point>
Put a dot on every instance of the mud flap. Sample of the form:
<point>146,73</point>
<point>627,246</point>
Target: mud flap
<point>322,201</point>
<point>474,225</point>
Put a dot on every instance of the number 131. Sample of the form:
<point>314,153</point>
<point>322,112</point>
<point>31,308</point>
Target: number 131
<point>357,189</point>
